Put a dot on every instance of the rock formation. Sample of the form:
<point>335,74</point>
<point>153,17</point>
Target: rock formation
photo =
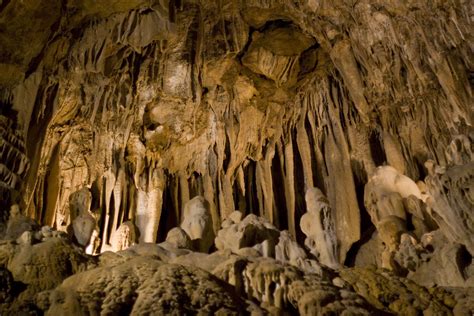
<point>197,223</point>
<point>319,227</point>
<point>274,156</point>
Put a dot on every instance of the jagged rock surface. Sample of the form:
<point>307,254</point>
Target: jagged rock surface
<point>50,275</point>
<point>13,164</point>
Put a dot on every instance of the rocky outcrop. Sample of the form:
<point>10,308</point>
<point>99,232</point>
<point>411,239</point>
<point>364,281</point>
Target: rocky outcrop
<point>450,187</point>
<point>143,286</point>
<point>49,275</point>
<point>246,233</point>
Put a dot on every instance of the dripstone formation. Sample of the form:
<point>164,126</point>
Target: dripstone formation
<point>236,157</point>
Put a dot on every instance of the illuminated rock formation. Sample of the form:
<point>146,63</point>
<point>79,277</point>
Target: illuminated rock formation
<point>285,147</point>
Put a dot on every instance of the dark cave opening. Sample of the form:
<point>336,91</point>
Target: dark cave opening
<point>169,208</point>
<point>300,190</point>
<point>251,189</point>
<point>463,260</point>
<point>377,149</point>
<point>279,194</point>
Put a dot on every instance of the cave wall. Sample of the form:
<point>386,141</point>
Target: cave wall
<point>247,103</point>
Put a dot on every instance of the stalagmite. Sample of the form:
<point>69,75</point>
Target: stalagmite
<point>319,227</point>
<point>149,207</point>
<point>197,223</point>
<point>118,196</point>
<point>387,198</point>
<point>83,223</point>
<point>179,238</point>
<point>124,237</point>
<point>290,186</point>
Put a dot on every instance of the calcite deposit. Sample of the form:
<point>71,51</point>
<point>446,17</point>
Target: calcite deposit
<point>308,157</point>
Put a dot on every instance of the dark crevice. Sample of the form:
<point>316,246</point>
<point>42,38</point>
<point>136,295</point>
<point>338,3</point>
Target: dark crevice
<point>251,189</point>
<point>6,109</point>
<point>367,228</point>
<point>352,253</point>
<point>421,172</point>
<point>195,185</point>
<point>300,203</point>
<point>37,132</point>
<point>4,4</point>
<point>308,61</point>
<point>244,50</point>
<point>274,24</point>
<point>101,221</point>
<point>318,178</point>
<point>168,218</point>
<point>463,260</point>
<point>376,149</point>
<point>227,153</point>
<point>281,221</point>
<point>95,193</point>
<point>35,61</point>
<point>240,202</point>
<point>172,11</point>
<point>135,61</point>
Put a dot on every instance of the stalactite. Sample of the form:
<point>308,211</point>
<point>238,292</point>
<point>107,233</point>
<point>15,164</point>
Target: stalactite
<point>304,149</point>
<point>341,189</point>
<point>344,60</point>
<point>152,106</point>
<point>264,176</point>
<point>288,159</point>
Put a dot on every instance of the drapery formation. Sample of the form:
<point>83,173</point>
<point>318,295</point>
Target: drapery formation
<point>247,103</point>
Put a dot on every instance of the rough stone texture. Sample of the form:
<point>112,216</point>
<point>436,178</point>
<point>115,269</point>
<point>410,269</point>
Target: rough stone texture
<point>13,164</point>
<point>396,295</point>
<point>451,190</point>
<point>143,286</point>
<point>115,114</point>
<point>179,238</point>
<point>18,223</point>
<point>50,275</point>
<point>435,261</point>
<point>124,237</point>
<point>250,232</point>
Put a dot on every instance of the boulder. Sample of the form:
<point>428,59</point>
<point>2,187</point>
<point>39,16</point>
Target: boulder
<point>18,224</point>
<point>252,231</point>
<point>124,237</point>
<point>179,238</point>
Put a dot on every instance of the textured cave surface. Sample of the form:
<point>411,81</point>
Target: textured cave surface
<point>236,157</point>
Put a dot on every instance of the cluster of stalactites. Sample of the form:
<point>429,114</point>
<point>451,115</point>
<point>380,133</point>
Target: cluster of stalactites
<point>13,163</point>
